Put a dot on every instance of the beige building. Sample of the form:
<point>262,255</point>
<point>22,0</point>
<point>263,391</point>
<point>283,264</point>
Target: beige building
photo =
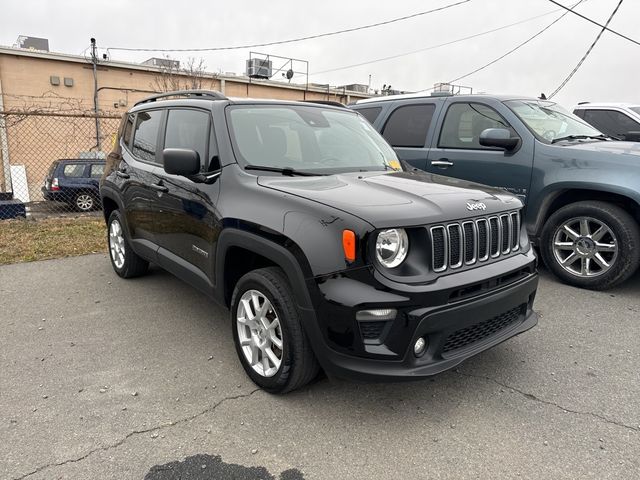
<point>47,107</point>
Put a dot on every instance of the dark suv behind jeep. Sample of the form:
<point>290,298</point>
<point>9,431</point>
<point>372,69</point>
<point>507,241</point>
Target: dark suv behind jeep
<point>74,182</point>
<point>328,252</point>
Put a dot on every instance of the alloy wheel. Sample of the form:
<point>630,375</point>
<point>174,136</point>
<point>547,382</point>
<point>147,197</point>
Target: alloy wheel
<point>259,333</point>
<point>116,243</point>
<point>84,202</point>
<point>585,247</point>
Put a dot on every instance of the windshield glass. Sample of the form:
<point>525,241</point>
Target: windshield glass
<point>635,109</point>
<point>549,120</point>
<point>309,139</point>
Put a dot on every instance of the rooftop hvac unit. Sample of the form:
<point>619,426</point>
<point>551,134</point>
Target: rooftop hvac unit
<point>259,68</point>
<point>32,43</point>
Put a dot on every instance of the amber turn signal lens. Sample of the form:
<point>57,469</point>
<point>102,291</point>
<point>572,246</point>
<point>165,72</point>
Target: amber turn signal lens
<point>349,245</point>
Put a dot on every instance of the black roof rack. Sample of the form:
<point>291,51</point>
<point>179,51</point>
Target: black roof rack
<point>327,102</point>
<point>204,94</point>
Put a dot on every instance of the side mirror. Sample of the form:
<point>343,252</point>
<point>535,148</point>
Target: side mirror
<point>631,136</point>
<point>181,161</point>
<point>498,137</point>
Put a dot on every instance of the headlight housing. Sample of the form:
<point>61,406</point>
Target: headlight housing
<point>392,246</point>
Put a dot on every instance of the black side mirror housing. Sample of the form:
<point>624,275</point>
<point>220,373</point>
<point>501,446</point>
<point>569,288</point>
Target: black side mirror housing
<point>499,138</point>
<point>181,161</point>
<point>631,136</point>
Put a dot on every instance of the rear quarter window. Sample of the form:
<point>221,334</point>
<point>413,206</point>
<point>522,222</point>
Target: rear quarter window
<point>371,113</point>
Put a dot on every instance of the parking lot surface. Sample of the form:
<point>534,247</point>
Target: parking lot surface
<point>107,378</point>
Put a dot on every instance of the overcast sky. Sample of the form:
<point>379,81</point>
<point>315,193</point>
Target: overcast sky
<point>611,72</point>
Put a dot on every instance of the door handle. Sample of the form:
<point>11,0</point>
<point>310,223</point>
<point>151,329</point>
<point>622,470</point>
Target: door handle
<point>442,163</point>
<point>159,188</point>
<point>122,174</point>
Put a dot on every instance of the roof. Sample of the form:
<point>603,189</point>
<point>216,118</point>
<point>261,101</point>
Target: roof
<point>606,104</point>
<point>479,96</point>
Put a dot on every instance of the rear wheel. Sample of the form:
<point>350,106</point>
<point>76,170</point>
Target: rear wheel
<point>124,260</point>
<point>84,202</point>
<point>593,245</point>
<point>268,334</point>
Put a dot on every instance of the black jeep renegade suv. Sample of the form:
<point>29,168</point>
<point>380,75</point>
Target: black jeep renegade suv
<point>328,251</point>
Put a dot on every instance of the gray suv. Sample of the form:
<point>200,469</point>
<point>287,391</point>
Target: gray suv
<point>581,187</point>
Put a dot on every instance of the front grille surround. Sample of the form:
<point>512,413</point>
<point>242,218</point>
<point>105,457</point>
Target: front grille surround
<point>472,241</point>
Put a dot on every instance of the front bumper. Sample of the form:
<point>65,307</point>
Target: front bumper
<point>455,329</point>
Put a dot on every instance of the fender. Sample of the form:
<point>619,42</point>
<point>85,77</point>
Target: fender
<point>232,237</point>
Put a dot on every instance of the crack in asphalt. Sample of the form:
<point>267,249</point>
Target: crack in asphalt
<point>137,432</point>
<point>532,397</point>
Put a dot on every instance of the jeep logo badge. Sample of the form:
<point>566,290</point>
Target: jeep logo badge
<point>476,206</point>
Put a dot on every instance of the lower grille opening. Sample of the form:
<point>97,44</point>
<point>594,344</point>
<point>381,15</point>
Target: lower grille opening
<point>372,330</point>
<point>475,333</point>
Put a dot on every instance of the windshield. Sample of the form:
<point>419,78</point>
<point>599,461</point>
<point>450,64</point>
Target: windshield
<point>309,139</point>
<point>635,109</point>
<point>549,120</point>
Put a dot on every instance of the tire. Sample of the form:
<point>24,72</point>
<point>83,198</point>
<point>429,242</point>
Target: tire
<point>610,232</point>
<point>297,363</point>
<point>84,202</point>
<point>126,263</point>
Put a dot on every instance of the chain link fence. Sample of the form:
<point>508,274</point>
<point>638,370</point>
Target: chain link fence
<point>50,163</point>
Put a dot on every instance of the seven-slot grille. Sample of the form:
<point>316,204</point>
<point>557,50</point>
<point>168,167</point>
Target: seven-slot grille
<point>469,241</point>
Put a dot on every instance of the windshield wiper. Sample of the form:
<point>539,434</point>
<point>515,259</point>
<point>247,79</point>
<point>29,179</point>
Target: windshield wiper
<point>580,137</point>
<point>284,171</point>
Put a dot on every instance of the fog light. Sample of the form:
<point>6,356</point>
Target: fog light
<point>377,314</point>
<point>420,347</point>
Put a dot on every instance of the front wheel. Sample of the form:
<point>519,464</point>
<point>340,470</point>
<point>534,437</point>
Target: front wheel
<point>268,334</point>
<point>593,245</point>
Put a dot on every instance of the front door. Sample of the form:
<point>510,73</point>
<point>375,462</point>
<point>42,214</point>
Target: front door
<point>186,225</point>
<point>456,150</point>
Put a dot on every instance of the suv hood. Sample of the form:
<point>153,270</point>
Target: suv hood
<point>399,199</point>
<point>611,147</point>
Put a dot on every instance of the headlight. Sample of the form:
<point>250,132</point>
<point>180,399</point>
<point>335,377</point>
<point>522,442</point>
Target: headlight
<point>391,247</point>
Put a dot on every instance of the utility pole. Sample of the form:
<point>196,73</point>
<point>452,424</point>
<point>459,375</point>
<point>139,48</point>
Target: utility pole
<point>94,61</point>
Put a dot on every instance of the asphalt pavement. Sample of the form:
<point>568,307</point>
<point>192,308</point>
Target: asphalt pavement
<point>104,378</point>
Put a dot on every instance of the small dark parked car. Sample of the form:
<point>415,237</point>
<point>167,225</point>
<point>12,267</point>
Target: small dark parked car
<point>75,182</point>
<point>581,188</point>
<point>328,252</point>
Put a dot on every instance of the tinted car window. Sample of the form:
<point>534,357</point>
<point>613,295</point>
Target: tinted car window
<point>407,126</point>
<point>74,170</point>
<point>611,122</point>
<point>146,135</point>
<point>128,127</point>
<point>370,113</point>
<point>188,129</point>
<point>97,170</point>
<point>465,121</point>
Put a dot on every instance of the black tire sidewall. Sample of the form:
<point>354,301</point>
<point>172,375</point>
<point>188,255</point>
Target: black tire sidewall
<point>286,313</point>
<point>622,225</point>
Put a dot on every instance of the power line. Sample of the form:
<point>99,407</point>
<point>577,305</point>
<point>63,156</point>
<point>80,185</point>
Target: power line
<point>584,57</point>
<point>432,47</point>
<point>596,23</point>
<point>517,47</point>
<point>292,40</point>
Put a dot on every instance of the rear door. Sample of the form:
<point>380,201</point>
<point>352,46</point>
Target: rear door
<point>456,151</point>
<point>187,227</point>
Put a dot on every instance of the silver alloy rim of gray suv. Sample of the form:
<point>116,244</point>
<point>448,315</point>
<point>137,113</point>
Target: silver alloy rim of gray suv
<point>259,333</point>
<point>116,243</point>
<point>585,247</point>
<point>84,202</point>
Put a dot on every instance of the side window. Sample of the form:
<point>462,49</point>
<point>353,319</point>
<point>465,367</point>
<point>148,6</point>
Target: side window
<point>465,121</point>
<point>370,113</point>
<point>408,125</point>
<point>128,128</point>
<point>97,169</point>
<point>188,129</point>
<point>145,136</point>
<point>611,122</point>
<point>74,170</point>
